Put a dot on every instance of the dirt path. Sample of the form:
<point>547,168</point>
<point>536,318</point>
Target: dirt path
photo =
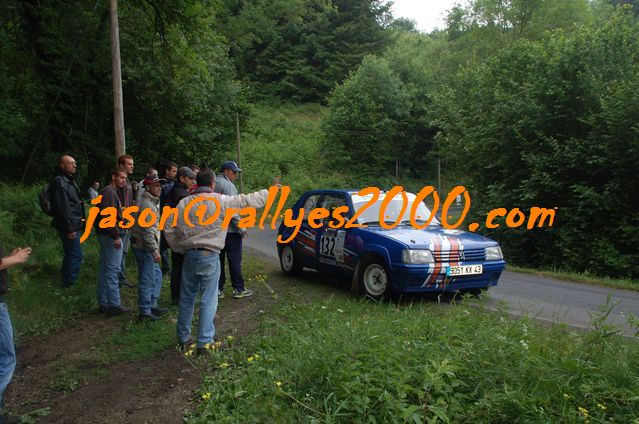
<point>63,371</point>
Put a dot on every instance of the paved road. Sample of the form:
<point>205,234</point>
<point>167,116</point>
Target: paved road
<point>548,299</point>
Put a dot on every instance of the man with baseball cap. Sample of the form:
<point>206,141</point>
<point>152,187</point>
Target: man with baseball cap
<point>181,189</point>
<point>146,247</point>
<point>233,242</point>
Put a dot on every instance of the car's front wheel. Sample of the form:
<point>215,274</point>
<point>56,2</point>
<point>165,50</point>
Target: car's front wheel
<point>289,263</point>
<point>374,280</point>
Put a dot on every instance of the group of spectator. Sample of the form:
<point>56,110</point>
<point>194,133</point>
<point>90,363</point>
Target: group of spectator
<point>197,253</point>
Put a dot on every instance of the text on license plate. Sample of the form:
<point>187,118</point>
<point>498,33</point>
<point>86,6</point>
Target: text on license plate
<point>454,271</point>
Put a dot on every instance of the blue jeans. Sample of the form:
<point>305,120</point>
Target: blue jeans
<point>200,273</point>
<point>7,350</point>
<point>125,250</point>
<point>110,260</point>
<point>164,253</point>
<point>176,274</point>
<point>233,252</point>
<point>72,259</point>
<point>149,281</point>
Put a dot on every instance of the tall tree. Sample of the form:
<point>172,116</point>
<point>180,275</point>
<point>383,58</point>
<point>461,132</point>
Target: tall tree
<point>300,49</point>
<point>365,118</point>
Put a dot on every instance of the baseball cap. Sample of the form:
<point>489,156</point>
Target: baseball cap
<point>229,164</point>
<point>152,180</point>
<point>185,171</point>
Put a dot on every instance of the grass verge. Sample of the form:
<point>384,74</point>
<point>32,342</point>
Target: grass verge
<point>341,360</point>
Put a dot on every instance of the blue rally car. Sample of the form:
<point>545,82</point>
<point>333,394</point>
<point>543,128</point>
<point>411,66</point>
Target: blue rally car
<point>383,261</point>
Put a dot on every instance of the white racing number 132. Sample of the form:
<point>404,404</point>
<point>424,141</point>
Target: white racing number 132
<point>327,246</point>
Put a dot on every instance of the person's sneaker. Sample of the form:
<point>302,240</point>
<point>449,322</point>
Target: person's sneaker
<point>117,310</point>
<point>159,311</point>
<point>149,317</point>
<point>238,294</point>
<point>189,342</point>
<point>201,351</point>
<point>220,294</point>
<point>10,419</point>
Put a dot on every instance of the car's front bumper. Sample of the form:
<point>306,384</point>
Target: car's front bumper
<point>420,278</point>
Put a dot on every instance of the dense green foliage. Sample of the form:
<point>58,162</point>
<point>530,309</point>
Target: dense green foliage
<point>527,103</point>
<point>345,361</point>
<point>179,93</point>
<point>555,124</point>
<point>179,61</point>
<point>299,49</point>
<point>37,302</point>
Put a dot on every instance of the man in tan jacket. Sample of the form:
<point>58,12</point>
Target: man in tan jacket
<point>201,245</point>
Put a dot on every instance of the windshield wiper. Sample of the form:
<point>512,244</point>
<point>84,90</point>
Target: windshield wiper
<point>421,221</point>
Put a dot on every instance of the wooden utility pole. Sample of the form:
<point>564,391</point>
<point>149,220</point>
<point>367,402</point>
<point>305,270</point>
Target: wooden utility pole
<point>239,157</point>
<point>118,109</point>
<point>439,176</point>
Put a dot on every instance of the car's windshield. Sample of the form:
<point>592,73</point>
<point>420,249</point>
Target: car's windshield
<point>370,214</point>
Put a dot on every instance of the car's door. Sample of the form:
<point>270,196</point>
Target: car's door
<point>330,242</point>
<point>305,241</point>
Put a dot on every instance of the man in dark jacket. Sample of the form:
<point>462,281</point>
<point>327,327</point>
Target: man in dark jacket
<point>68,217</point>
<point>7,348</point>
<point>169,170</point>
<point>110,240</point>
<point>125,194</point>
<point>181,189</point>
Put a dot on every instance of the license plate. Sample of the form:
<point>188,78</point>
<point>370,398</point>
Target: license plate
<point>456,271</point>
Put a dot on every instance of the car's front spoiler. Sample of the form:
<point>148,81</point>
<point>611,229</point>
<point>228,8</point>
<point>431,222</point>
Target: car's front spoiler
<point>419,278</point>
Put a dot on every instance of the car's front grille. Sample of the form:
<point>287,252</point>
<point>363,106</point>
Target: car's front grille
<point>468,255</point>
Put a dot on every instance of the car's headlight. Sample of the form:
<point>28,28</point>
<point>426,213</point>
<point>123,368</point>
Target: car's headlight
<point>494,253</point>
<point>423,256</point>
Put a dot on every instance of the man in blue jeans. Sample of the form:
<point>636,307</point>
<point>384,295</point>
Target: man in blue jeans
<point>224,184</point>
<point>201,244</point>
<point>7,348</point>
<point>68,217</point>
<point>146,247</point>
<point>110,240</point>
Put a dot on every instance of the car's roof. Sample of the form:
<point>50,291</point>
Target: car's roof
<point>334,190</point>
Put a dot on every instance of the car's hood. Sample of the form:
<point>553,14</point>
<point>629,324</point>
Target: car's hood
<point>414,238</point>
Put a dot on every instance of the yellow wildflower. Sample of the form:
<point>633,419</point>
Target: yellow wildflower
<point>207,346</point>
<point>250,358</point>
<point>602,407</point>
<point>583,411</point>
<point>189,352</point>
<point>206,396</point>
<point>256,356</point>
<point>218,344</point>
<point>224,365</point>
<point>278,383</point>
<point>230,338</point>
<point>566,396</point>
